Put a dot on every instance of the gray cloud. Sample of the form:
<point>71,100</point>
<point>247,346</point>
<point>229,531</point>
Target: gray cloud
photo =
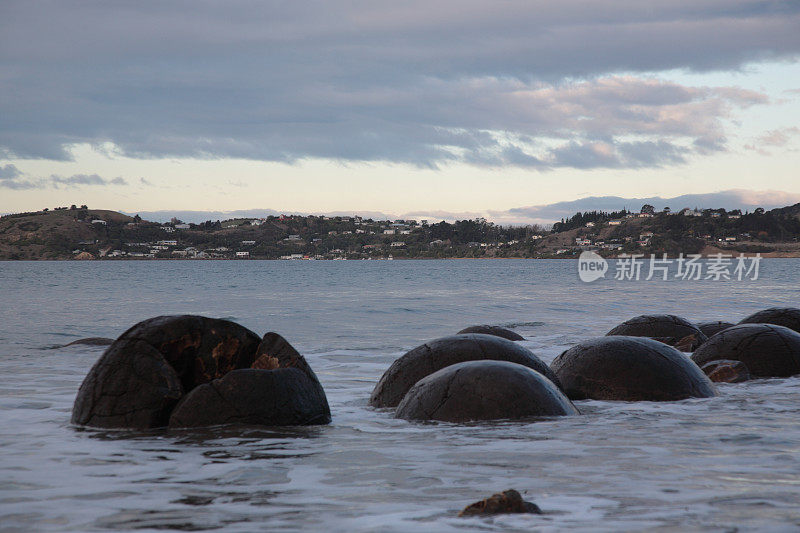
<point>523,84</point>
<point>12,178</point>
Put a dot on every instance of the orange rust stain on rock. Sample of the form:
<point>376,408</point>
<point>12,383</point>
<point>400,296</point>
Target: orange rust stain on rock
<point>266,362</point>
<point>223,354</point>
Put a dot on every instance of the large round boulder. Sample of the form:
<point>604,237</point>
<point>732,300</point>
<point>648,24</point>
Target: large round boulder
<point>497,331</point>
<point>630,369</point>
<point>483,390</point>
<point>669,329</point>
<point>788,317</point>
<point>142,375</point>
<point>437,354</point>
<point>766,349</point>
<point>710,329</point>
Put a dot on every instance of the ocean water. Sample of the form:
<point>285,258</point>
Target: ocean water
<point>712,464</point>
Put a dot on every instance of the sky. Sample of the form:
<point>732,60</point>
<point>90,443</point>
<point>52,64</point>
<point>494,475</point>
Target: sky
<point>512,110</point>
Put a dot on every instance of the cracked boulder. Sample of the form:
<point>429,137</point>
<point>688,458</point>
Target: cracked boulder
<point>710,329</point>
<point>629,369</point>
<point>767,350</point>
<point>497,331</point>
<point>483,390</point>
<point>142,375</point>
<point>788,317</point>
<point>279,390</point>
<point>440,353</point>
<point>669,329</point>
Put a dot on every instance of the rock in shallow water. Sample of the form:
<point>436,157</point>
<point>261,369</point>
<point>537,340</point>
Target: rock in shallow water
<point>669,329</point>
<point>631,369</point>
<point>788,317</point>
<point>140,378</point>
<point>437,354</point>
<point>143,374</point>
<point>91,341</point>
<point>726,371</point>
<point>483,390</point>
<point>509,501</point>
<point>710,329</point>
<point>497,331</point>
<point>767,350</point>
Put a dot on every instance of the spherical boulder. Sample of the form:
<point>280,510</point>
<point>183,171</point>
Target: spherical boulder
<point>788,317</point>
<point>669,329</point>
<point>710,329</point>
<point>483,390</point>
<point>767,350</point>
<point>437,354</point>
<point>630,369</point>
<point>493,330</point>
<point>142,375</point>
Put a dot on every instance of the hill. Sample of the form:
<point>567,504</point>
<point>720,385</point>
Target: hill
<point>82,233</point>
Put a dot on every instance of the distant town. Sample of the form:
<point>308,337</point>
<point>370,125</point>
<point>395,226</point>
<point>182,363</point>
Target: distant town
<point>77,232</point>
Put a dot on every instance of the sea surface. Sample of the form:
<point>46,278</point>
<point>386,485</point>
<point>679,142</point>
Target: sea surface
<point>720,464</point>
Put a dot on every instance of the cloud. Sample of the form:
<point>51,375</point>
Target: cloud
<point>9,172</point>
<point>774,138</point>
<point>12,178</point>
<point>529,84</point>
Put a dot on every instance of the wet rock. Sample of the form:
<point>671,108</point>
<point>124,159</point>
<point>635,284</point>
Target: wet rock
<point>686,344</point>
<point>437,354</point>
<point>279,397</point>
<point>483,390</point>
<point>630,369</point>
<point>788,317</point>
<point>493,330</point>
<point>141,376</point>
<point>506,502</point>
<point>710,329</point>
<point>669,329</point>
<point>768,350</point>
<point>726,371</point>
<point>91,341</point>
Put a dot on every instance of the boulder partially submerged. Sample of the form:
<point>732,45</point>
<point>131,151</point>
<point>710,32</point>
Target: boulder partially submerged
<point>483,390</point>
<point>142,376</point>
<point>726,371</point>
<point>710,329</point>
<point>768,350</point>
<point>788,317</point>
<point>440,353</point>
<point>669,329</point>
<point>506,502</point>
<point>631,369</point>
<point>497,331</point>
<point>91,341</point>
